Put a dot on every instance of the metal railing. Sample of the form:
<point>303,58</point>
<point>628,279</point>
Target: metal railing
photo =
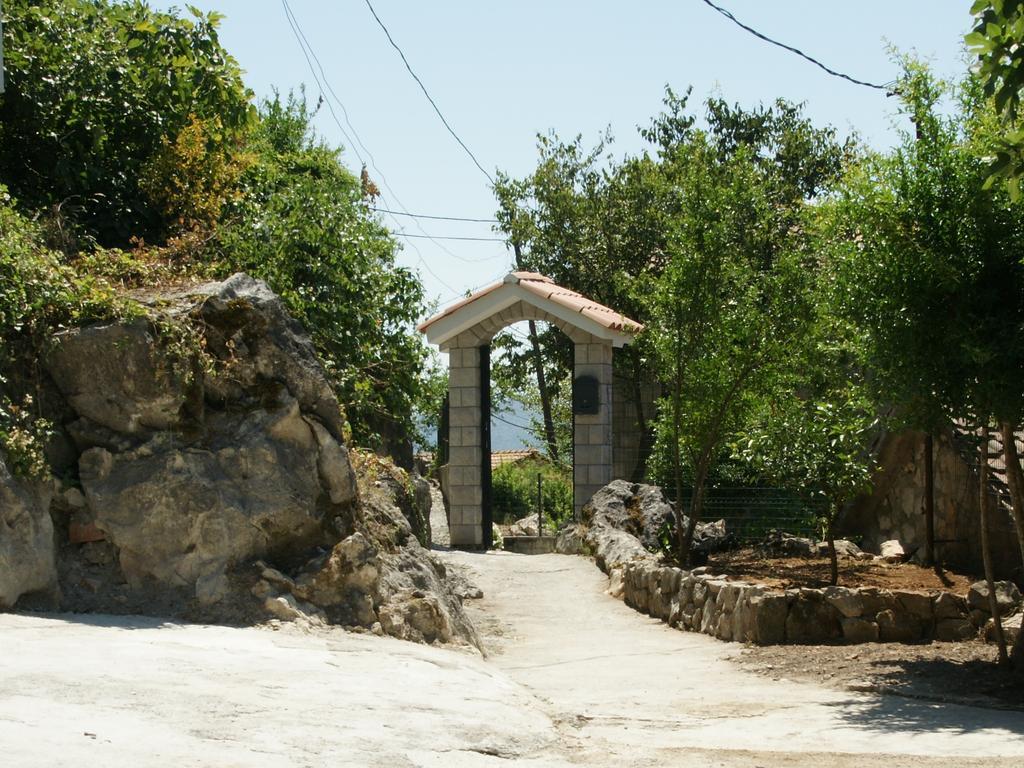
<point>750,513</point>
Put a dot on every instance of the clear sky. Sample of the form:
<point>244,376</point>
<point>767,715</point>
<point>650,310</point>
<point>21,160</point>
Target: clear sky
<point>503,71</point>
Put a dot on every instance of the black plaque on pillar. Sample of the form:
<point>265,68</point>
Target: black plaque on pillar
<point>586,397</point>
<point>487,521</point>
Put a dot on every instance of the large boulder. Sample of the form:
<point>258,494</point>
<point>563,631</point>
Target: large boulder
<point>119,376</point>
<point>27,560</point>
<point>1007,597</point>
<point>381,576</point>
<point>248,328</point>
<point>528,526</point>
<point>571,540</point>
<point>191,466</point>
<point>782,544</point>
<point>184,515</point>
<point>216,483</point>
<point>643,513</point>
<point>640,510</point>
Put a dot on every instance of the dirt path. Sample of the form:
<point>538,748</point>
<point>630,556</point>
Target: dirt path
<point>573,678</point>
<point>625,689</point>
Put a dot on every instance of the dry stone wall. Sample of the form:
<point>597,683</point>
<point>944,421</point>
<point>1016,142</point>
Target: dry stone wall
<point>700,601</point>
<point>895,507</point>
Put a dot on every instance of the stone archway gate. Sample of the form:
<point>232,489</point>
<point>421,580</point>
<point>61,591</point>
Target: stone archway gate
<point>465,329</point>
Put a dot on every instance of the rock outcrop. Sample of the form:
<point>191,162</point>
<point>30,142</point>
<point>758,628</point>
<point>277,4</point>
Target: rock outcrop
<point>211,479</point>
<point>27,562</point>
<point>625,521</point>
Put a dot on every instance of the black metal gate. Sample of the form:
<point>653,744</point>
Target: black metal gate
<point>486,518</point>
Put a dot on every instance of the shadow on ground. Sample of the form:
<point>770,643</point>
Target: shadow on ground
<point>113,621</point>
<point>976,682</point>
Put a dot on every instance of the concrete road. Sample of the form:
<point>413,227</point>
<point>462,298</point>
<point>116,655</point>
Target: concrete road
<point>573,678</point>
<point>627,690</point>
<point>107,691</point>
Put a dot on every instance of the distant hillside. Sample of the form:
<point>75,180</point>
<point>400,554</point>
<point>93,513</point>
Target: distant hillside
<point>505,436</point>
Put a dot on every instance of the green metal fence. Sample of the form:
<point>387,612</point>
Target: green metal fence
<point>750,513</point>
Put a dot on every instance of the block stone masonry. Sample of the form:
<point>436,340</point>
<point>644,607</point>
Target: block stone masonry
<point>592,442</point>
<point>465,330</point>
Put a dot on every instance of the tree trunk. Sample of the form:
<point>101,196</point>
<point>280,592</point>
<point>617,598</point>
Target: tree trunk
<point>545,396</point>
<point>986,554</point>
<point>646,433</point>
<point>682,552</point>
<point>929,501</point>
<point>696,510</point>
<point>833,559</point>
<point>538,368</point>
<point>1014,479</point>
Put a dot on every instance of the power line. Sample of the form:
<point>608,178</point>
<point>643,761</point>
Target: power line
<point>452,237</point>
<point>474,289</point>
<point>797,51</point>
<point>325,88</point>
<point>436,218</point>
<point>425,93</point>
<point>297,32</point>
<point>526,428</point>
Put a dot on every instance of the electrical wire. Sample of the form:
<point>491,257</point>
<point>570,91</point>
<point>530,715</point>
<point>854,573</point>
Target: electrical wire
<point>468,291</point>
<point>297,32</point>
<point>526,428</point>
<point>453,237</point>
<point>797,51</point>
<point>327,89</point>
<point>437,218</point>
<point>427,94</point>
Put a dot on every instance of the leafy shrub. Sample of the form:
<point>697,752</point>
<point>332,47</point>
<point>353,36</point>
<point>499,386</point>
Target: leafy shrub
<point>94,90</point>
<point>514,491</point>
<point>122,126</point>
<point>301,225</point>
<point>38,296</point>
<point>23,438</point>
<point>191,177</point>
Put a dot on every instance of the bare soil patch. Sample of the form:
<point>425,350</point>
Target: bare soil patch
<point>748,564</point>
<point>961,673</point>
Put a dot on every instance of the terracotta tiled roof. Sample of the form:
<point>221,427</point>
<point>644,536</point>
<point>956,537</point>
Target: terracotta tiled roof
<point>545,288</point>
<point>511,457</point>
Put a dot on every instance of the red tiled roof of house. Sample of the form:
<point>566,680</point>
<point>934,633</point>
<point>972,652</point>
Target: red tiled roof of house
<point>511,457</point>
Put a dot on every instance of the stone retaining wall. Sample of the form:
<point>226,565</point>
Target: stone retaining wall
<point>697,601</point>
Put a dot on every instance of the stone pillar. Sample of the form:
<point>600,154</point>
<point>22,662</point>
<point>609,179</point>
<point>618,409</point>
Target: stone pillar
<point>592,434</point>
<point>465,447</point>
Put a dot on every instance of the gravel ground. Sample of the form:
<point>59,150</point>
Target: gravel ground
<point>964,673</point>
<point>439,533</point>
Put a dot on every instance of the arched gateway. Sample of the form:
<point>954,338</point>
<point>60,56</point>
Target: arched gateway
<point>465,329</point>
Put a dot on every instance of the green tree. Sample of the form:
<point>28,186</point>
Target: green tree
<point>301,223</point>
<point>997,40</point>
<point>94,89</point>
<point>602,226</point>
<point>723,312</point>
<point>813,432</point>
<point>929,263</point>
<point>39,295</point>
